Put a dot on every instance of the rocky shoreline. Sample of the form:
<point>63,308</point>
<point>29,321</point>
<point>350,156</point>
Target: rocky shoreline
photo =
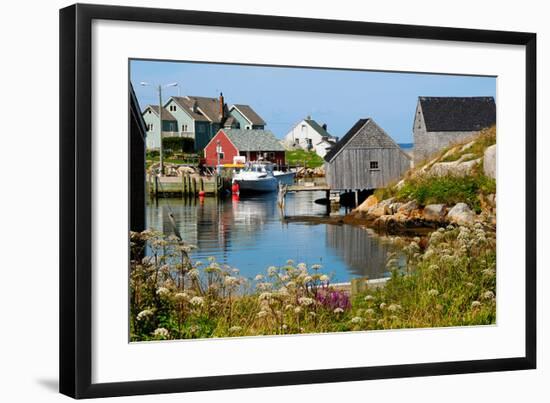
<point>395,218</point>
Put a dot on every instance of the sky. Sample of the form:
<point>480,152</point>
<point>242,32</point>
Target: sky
<point>283,96</point>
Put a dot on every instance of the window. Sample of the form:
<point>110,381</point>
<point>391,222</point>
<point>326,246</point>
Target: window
<point>221,156</point>
<point>247,127</point>
<point>150,127</point>
<point>172,108</point>
<point>183,128</point>
<point>374,165</point>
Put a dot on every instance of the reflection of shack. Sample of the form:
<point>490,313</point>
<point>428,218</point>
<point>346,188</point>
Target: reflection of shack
<point>364,253</point>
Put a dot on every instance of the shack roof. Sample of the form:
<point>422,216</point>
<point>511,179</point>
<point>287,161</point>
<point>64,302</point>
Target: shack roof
<point>375,137</point>
<point>466,114</point>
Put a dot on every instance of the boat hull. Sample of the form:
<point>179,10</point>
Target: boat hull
<point>285,178</point>
<point>261,185</point>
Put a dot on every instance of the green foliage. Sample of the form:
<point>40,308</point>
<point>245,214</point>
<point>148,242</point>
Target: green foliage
<point>451,283</point>
<point>447,189</point>
<point>178,144</point>
<point>298,157</point>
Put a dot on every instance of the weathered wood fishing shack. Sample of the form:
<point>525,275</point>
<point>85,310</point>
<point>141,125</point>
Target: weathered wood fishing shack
<point>366,158</point>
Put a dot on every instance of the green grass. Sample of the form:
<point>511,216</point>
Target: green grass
<point>447,189</point>
<point>298,157</point>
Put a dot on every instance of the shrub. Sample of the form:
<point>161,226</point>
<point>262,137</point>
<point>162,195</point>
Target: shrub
<point>178,144</point>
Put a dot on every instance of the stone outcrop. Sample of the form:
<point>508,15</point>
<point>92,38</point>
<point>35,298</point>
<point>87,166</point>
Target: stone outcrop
<point>490,161</point>
<point>461,214</point>
<point>434,212</point>
<point>461,167</point>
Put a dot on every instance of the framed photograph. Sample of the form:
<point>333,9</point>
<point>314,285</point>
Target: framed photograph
<point>252,201</point>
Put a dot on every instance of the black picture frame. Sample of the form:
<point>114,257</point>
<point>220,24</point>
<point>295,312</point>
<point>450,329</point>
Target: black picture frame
<point>76,199</point>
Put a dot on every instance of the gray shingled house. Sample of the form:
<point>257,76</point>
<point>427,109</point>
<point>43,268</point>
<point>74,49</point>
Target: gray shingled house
<point>365,158</point>
<point>441,121</point>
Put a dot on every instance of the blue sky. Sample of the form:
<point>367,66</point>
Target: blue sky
<point>285,95</point>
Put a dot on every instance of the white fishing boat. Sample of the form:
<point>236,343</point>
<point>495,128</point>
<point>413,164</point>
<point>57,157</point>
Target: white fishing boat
<point>285,178</point>
<point>261,177</point>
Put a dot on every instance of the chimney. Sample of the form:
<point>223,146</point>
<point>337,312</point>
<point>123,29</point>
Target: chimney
<point>324,126</point>
<point>222,107</point>
<point>194,106</point>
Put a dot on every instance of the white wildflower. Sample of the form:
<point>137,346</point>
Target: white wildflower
<point>193,273</point>
<point>265,296</point>
<point>369,298</point>
<point>433,293</point>
<point>182,296</point>
<point>146,313</point>
<point>369,311</point>
<point>356,320</point>
<point>488,295</point>
<point>231,281</point>
<point>235,329</point>
<point>272,271</point>
<point>264,286</point>
<point>324,278</point>
<point>262,314</point>
<point>307,279</point>
<point>394,308</point>
<point>297,309</point>
<point>338,310</point>
<point>161,332</point>
<point>305,301</point>
<point>162,291</point>
<point>383,305</point>
<point>301,266</point>
<point>476,304</point>
<point>259,277</point>
<point>316,266</point>
<point>197,301</point>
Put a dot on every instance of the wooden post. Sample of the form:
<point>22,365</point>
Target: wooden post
<point>216,185</point>
<point>328,201</point>
<point>201,183</point>
<point>156,187</point>
<point>356,197</point>
<point>194,186</point>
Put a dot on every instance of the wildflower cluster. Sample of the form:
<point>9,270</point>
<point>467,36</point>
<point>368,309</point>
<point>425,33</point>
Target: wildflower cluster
<point>448,279</point>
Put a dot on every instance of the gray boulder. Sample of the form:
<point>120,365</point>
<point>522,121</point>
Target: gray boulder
<point>490,161</point>
<point>408,207</point>
<point>461,214</point>
<point>434,212</point>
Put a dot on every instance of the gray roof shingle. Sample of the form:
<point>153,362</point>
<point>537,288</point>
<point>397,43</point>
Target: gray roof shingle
<point>250,114</point>
<point>207,109</point>
<point>466,114</point>
<point>370,136</point>
<point>165,114</point>
<point>253,140</point>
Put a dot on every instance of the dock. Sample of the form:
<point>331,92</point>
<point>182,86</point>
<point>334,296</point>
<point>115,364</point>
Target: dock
<point>302,187</point>
<point>186,185</point>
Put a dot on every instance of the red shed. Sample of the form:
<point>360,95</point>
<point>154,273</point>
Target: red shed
<point>253,144</point>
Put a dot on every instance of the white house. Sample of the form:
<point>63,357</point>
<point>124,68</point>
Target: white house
<point>311,136</point>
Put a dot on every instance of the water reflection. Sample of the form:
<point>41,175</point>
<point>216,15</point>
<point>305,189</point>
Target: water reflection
<point>247,233</point>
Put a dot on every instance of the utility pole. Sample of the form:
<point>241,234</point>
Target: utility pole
<point>160,133</point>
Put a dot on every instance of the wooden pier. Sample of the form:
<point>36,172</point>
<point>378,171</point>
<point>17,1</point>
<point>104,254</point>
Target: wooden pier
<point>302,187</point>
<point>186,185</point>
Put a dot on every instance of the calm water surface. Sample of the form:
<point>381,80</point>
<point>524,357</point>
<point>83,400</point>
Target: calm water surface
<point>248,234</point>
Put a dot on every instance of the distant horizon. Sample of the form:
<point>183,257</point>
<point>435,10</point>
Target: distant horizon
<point>283,96</point>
